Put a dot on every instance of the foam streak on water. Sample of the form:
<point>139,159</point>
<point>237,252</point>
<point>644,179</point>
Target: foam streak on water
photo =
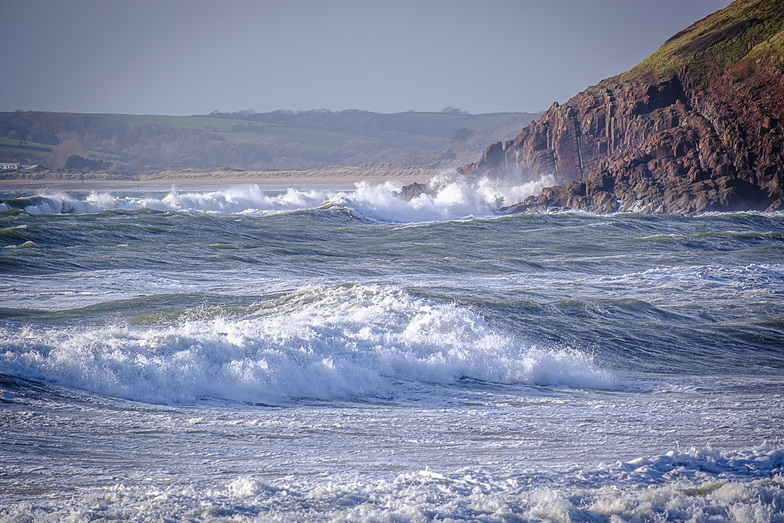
<point>320,343</point>
<point>245,354</point>
<point>449,199</point>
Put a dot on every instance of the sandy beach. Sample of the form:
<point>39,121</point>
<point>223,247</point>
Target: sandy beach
<point>200,180</point>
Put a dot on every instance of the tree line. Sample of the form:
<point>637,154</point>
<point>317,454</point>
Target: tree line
<point>83,142</point>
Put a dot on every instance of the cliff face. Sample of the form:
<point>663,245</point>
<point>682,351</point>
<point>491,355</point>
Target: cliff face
<point>698,126</point>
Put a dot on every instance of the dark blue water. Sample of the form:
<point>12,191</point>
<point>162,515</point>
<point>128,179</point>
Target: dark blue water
<point>316,354</point>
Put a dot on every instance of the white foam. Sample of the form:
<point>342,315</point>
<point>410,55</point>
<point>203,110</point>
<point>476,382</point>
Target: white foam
<point>58,203</point>
<point>730,489</point>
<point>427,495</point>
<point>239,199</point>
<point>449,198</point>
<point>690,463</point>
<point>322,343</point>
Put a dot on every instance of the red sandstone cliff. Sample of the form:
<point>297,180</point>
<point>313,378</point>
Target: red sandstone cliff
<point>698,126</point>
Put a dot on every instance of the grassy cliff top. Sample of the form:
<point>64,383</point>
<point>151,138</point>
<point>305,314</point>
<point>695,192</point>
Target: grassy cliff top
<point>744,30</point>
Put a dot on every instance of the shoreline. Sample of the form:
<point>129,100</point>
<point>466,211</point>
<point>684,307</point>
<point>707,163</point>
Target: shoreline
<point>270,181</point>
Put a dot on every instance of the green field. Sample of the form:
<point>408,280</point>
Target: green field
<point>189,122</point>
<point>322,138</point>
<point>24,147</point>
<point>230,129</point>
<point>247,140</point>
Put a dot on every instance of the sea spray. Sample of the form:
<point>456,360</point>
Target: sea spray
<point>326,363</point>
<point>49,202</point>
<point>323,343</point>
<point>449,198</point>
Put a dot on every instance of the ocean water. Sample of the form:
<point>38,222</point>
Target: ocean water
<point>312,354</point>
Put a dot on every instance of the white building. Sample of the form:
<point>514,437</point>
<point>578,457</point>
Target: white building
<point>9,166</point>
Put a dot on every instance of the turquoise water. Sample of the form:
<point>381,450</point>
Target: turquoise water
<point>251,354</point>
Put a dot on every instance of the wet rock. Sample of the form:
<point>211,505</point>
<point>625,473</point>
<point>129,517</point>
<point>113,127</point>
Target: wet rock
<point>412,190</point>
<point>706,136</point>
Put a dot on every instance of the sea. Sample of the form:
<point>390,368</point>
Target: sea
<point>339,353</point>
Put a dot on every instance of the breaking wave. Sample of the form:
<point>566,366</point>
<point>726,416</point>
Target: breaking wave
<point>347,342</point>
<point>448,198</point>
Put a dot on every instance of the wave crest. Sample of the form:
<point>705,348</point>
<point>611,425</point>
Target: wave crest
<point>348,342</point>
<point>449,198</point>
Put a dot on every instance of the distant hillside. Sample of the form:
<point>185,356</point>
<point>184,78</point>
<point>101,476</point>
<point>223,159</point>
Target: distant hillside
<point>130,144</point>
<point>442,124</point>
<point>698,126</point>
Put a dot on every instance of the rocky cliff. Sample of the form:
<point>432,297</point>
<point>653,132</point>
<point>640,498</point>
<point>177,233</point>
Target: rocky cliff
<point>696,127</point>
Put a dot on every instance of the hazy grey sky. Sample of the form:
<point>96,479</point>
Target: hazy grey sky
<point>195,56</point>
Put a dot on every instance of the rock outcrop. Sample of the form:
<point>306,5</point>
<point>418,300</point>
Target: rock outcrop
<point>698,126</point>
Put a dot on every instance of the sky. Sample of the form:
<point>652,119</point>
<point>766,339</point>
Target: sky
<point>185,57</point>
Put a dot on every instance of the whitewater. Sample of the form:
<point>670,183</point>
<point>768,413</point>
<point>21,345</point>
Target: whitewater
<point>254,353</point>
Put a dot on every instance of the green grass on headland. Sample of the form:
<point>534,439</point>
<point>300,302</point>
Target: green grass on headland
<point>745,30</point>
